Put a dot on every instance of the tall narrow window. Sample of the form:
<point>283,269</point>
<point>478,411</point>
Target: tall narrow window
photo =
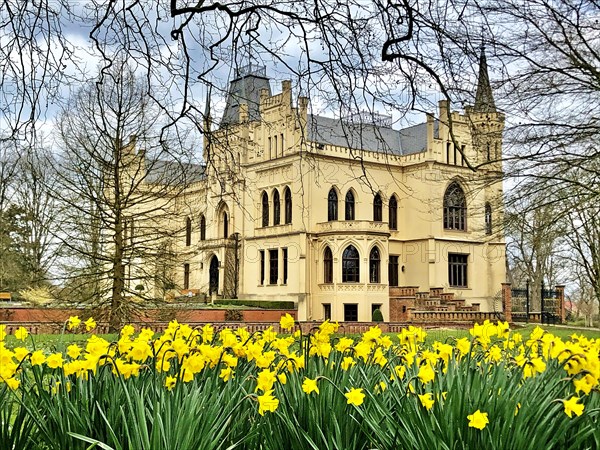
<point>265,210</point>
<point>275,147</point>
<point>326,311</point>
<point>349,205</point>
<point>262,267</point>
<point>350,265</point>
<point>455,208</point>
<point>457,270</point>
<point>276,208</point>
<point>273,266</point>
<point>393,270</point>
<point>188,232</point>
<point>186,276</point>
<point>488,219</point>
<point>332,205</point>
<point>288,205</point>
<point>377,208</point>
<point>374,266</point>
<point>202,228</point>
<point>281,143</point>
<point>284,257</point>
<point>225,225</point>
<point>270,149</point>
<point>393,213</point>
<point>327,266</point>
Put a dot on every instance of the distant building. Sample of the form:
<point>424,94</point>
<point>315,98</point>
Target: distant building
<point>334,214</point>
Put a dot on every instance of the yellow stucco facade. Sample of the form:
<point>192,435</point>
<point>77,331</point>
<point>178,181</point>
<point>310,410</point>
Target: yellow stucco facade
<point>271,218</point>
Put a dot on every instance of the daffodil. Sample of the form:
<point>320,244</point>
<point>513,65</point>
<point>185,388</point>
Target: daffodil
<point>309,386</point>
<point>73,322</point>
<point>287,322</point>
<point>427,401</point>
<point>37,358</point>
<point>54,361</point>
<point>478,420</point>
<point>21,333</point>
<point>426,373</point>
<point>226,374</point>
<point>90,324</point>
<point>267,403</point>
<point>355,397</point>
<point>13,383</point>
<point>573,407</point>
<point>170,382</point>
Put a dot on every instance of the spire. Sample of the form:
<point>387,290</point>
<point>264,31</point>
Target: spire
<point>484,99</point>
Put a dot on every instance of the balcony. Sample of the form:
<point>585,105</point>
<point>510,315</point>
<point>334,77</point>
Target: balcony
<point>353,226</point>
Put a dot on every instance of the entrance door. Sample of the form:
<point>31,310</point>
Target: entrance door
<point>213,284</point>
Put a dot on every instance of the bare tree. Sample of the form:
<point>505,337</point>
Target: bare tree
<point>117,181</point>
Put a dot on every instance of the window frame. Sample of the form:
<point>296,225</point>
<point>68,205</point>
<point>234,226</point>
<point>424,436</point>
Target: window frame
<point>393,271</point>
<point>455,208</point>
<point>332,205</point>
<point>377,208</point>
<point>202,227</point>
<point>458,270</point>
<point>488,219</point>
<point>327,266</point>
<point>265,209</point>
<point>287,196</point>
<point>375,265</point>
<point>393,213</point>
<point>350,206</point>
<point>276,208</point>
<point>350,316</point>
<point>273,266</point>
<point>350,274</point>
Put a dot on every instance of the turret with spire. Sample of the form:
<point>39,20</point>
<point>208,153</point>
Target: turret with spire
<point>486,122</point>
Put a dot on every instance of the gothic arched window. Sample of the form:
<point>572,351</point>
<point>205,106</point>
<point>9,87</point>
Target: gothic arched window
<point>393,213</point>
<point>327,266</point>
<point>332,205</point>
<point>455,208</point>
<point>265,210</point>
<point>349,206</point>
<point>202,228</point>
<point>350,265</point>
<point>374,266</point>
<point>287,195</point>
<point>276,208</point>
<point>377,208</point>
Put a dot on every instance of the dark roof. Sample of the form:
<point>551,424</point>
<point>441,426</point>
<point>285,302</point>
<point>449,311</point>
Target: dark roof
<point>484,98</point>
<point>173,172</point>
<point>244,89</point>
<point>368,136</point>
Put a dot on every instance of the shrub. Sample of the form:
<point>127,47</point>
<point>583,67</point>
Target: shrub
<point>377,316</point>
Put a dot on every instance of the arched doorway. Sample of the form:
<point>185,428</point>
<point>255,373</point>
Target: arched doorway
<point>213,283</point>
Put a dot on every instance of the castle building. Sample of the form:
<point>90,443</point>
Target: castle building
<point>338,215</point>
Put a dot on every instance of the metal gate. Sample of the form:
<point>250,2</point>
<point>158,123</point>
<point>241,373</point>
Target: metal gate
<point>549,305</point>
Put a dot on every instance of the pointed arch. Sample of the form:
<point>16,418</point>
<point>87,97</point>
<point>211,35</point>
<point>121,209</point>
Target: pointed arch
<point>265,209</point>
<point>393,213</point>
<point>332,205</point>
<point>287,198</point>
<point>350,206</point>
<point>455,208</point>
<point>225,225</point>
<point>377,208</point>
<point>375,265</point>
<point>327,265</point>
<point>350,265</point>
<point>276,208</point>
<point>202,227</point>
